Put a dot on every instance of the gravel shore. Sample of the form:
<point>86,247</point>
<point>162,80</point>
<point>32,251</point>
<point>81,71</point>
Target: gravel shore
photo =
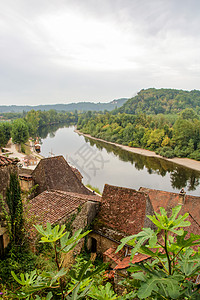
<point>186,162</point>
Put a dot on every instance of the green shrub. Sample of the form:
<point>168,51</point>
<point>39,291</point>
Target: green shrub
<point>165,152</point>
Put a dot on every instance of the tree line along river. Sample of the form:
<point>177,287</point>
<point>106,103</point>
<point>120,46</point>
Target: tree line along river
<point>101,163</point>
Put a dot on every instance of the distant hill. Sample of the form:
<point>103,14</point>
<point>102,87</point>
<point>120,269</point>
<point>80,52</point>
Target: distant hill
<point>71,107</point>
<point>155,101</point>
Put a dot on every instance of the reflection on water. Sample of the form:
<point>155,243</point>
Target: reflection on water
<point>102,163</point>
<point>179,176</point>
<point>50,130</point>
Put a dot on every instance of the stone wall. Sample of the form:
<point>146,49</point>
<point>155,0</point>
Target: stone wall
<point>3,231</point>
<point>84,217</point>
<point>5,177</point>
<point>102,243</point>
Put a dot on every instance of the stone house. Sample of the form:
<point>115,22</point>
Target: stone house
<point>55,173</point>
<point>25,179</point>
<point>168,200</point>
<point>123,212</point>
<point>60,207</point>
<point>191,204</point>
<point>7,166</point>
<point>60,195</point>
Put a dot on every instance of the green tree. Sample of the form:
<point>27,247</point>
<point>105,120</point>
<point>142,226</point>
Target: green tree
<point>2,136</point>
<point>14,215</point>
<point>189,114</point>
<point>19,131</point>
<point>32,118</point>
<point>7,127</point>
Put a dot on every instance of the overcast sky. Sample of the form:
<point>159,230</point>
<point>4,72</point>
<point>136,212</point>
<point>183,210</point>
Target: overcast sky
<point>62,51</point>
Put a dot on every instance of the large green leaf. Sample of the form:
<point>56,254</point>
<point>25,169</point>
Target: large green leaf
<point>189,263</point>
<point>170,224</point>
<point>103,292</point>
<point>67,244</point>
<point>194,239</point>
<point>75,295</point>
<point>168,287</point>
<point>51,234</point>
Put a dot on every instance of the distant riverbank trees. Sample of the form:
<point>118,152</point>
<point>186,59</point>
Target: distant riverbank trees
<point>5,133</point>
<point>22,128</point>
<point>167,135</point>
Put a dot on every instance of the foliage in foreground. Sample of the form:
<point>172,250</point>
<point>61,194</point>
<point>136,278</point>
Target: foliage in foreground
<point>52,284</point>
<point>171,272</point>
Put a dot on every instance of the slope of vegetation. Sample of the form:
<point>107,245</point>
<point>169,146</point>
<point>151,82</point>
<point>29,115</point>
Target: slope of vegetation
<point>168,135</point>
<point>165,101</point>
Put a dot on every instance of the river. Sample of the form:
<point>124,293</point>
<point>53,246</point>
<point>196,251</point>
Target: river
<point>101,163</point>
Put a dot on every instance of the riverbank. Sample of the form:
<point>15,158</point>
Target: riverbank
<point>13,152</point>
<point>186,162</point>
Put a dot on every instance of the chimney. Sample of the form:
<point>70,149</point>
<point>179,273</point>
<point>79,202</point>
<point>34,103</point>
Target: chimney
<point>181,198</point>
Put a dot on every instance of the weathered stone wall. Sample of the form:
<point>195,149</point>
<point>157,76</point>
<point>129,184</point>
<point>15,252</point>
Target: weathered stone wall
<point>39,177</point>
<point>103,243</point>
<point>92,210</point>
<point>26,185</point>
<point>5,172</point>
<point>83,218</point>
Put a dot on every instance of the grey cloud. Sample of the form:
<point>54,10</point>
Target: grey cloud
<point>166,31</point>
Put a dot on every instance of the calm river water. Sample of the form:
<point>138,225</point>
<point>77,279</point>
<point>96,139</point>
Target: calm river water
<point>100,163</point>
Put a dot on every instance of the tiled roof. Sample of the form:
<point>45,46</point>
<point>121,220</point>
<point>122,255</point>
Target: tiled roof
<point>53,206</point>
<point>4,161</point>
<point>124,210</point>
<point>55,173</point>
<point>111,255</point>
<point>168,200</point>
<point>125,263</point>
<point>122,262</point>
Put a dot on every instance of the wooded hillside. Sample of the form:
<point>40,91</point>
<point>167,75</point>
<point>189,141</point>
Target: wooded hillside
<point>161,101</point>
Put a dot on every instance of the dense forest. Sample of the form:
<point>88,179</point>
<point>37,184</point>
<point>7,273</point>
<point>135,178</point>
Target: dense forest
<point>161,101</point>
<point>166,135</point>
<point>174,132</point>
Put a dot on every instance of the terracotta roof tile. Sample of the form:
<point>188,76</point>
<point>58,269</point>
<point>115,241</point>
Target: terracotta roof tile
<point>4,161</point>
<point>124,210</point>
<point>125,263</point>
<point>169,200</point>
<point>53,206</point>
<point>55,173</point>
<point>110,253</point>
